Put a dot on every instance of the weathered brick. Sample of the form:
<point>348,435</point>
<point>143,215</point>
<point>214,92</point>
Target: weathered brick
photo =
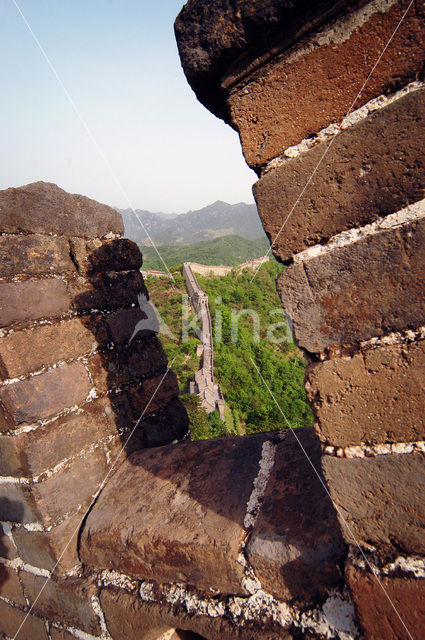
<point>7,548</point>
<point>169,424</point>
<point>34,254</point>
<point>60,634</point>
<point>23,352</point>
<point>109,291</point>
<point>388,608</point>
<point>346,190</point>
<point>44,395</point>
<point>42,207</point>
<point>380,500</point>
<point>32,453</point>
<point>32,300</point>
<point>96,255</point>
<point>374,397</point>
<point>63,600</point>
<point>188,524</point>
<point>121,324</point>
<point>10,587</point>
<point>53,549</point>
<point>16,503</point>
<point>351,293</point>
<point>11,620</point>
<point>121,366</point>
<point>296,546</point>
<point>271,108</point>
<point>152,394</point>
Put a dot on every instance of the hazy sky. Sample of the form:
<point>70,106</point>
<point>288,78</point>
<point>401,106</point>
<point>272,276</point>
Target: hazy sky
<point>119,63</point>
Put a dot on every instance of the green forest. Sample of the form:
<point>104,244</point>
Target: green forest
<point>249,406</point>
<point>229,250</point>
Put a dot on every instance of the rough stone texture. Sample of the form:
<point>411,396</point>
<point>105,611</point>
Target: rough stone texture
<point>11,619</point>
<point>375,611</point>
<point>34,255</point>
<point>290,99</point>
<point>10,587</point>
<point>346,191</point>
<point>186,524</point>
<point>53,549</point>
<point>42,207</point>
<point>128,617</point>
<point>60,634</point>
<point>7,548</point>
<point>351,293</point>
<point>168,424</point>
<point>92,256</point>
<point>32,300</point>
<point>212,35</point>
<point>296,545</point>
<point>108,291</point>
<point>23,352</point>
<point>29,454</point>
<point>122,366</point>
<point>374,397</point>
<point>45,395</point>
<point>16,504</point>
<point>152,394</point>
<point>380,499</point>
<point>63,600</point>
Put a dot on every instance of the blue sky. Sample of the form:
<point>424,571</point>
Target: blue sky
<point>118,60</point>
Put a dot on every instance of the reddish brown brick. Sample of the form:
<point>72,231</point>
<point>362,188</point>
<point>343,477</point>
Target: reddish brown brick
<point>42,207</point>
<point>271,110</point>
<point>94,256</point>
<point>388,608</point>
<point>352,293</point>
<point>63,600</point>
<point>36,451</point>
<point>23,352</point>
<point>346,191</point>
<point>34,254</point>
<point>152,394</point>
<point>53,549</point>
<point>10,587</point>
<point>377,396</point>
<point>188,524</point>
<point>17,503</point>
<point>109,291</point>
<point>380,500</point>
<point>32,300</point>
<point>11,620</point>
<point>44,395</point>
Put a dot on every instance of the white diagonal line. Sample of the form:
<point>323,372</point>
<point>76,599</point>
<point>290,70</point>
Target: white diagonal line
<point>89,133</point>
<point>335,137</point>
<point>96,495</point>
<point>350,531</point>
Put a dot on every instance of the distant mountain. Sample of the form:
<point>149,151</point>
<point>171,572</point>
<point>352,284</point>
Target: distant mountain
<point>216,220</point>
<point>228,250</point>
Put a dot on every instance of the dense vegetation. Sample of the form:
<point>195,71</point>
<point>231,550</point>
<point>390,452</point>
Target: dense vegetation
<point>229,250</point>
<point>250,408</point>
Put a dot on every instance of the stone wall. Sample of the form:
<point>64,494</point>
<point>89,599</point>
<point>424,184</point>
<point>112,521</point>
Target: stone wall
<point>329,103</point>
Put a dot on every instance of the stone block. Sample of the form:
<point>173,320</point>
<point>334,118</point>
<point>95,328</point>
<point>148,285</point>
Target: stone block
<point>168,424</point>
<point>350,293</point>
<point>122,323</point>
<point>304,90</point>
<point>109,291</point>
<point>93,256</point>
<point>63,600</point>
<point>122,366</point>
<point>16,503</point>
<point>186,524</point>
<point>42,207</point>
<point>55,549</point>
<point>346,191</point>
<point>296,547</point>
<point>373,397</point>
<point>32,453</point>
<point>47,394</point>
<point>380,500</point>
<point>11,620</point>
<point>7,548</point>
<point>32,300</point>
<point>60,634</point>
<point>34,255</point>
<point>388,607</point>
<point>23,352</point>
<point>10,587</point>
<point>152,394</point>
